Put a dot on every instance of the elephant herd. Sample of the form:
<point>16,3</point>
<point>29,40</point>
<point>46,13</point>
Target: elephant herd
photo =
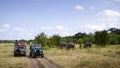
<point>70,45</point>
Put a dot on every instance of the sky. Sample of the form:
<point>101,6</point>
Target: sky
<point>24,19</point>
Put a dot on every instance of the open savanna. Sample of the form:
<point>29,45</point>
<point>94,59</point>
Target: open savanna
<point>7,59</point>
<point>95,57</point>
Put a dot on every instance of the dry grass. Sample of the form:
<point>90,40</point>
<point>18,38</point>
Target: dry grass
<point>95,57</point>
<point>7,60</point>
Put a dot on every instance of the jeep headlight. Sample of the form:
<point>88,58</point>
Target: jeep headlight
<point>34,50</point>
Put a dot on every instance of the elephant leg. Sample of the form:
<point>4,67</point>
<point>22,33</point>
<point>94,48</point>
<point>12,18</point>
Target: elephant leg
<point>89,46</point>
<point>84,46</point>
<point>67,48</point>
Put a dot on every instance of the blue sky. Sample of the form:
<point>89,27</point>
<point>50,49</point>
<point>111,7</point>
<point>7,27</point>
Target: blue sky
<point>24,19</point>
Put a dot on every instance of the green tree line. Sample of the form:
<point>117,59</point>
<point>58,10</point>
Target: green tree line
<point>100,38</point>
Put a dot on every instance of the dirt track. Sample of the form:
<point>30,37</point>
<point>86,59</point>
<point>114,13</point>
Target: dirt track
<point>34,63</point>
<point>47,63</point>
<point>40,62</point>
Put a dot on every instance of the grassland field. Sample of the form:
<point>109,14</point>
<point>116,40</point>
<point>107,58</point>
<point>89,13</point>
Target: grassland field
<point>7,59</point>
<point>95,57</point>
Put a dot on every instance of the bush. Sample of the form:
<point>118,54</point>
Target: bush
<point>113,41</point>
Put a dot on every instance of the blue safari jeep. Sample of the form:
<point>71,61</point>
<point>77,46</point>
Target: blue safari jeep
<point>36,50</point>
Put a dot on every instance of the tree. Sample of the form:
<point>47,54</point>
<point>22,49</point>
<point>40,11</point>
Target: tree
<point>80,35</point>
<point>80,41</point>
<point>50,42</point>
<point>84,36</point>
<point>97,38</point>
<point>114,38</point>
<point>101,38</point>
<point>91,37</point>
<point>68,39</point>
<point>56,39</point>
<point>41,39</point>
<point>114,30</point>
<point>119,39</point>
<point>114,35</point>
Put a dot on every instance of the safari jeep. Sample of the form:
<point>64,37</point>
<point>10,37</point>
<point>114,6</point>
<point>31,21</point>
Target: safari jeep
<point>36,50</point>
<point>20,48</point>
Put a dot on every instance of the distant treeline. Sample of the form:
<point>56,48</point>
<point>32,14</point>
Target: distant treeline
<point>6,41</point>
<point>101,38</point>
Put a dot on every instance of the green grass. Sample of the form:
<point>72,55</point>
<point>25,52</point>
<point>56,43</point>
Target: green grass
<point>96,57</point>
<point>7,60</point>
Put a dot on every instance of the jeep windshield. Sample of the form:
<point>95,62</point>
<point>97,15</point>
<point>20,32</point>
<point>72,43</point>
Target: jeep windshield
<point>36,47</point>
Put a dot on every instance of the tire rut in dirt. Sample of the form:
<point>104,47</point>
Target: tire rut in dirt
<point>47,64</point>
<point>34,63</point>
<point>40,62</point>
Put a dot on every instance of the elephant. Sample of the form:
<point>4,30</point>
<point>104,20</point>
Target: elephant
<point>63,44</point>
<point>70,45</point>
<point>67,45</point>
<point>87,44</point>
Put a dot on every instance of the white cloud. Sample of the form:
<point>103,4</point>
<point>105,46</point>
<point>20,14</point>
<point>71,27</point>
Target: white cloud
<point>111,25</point>
<point>18,29</point>
<point>47,28</point>
<point>66,34</point>
<point>98,27</point>
<point>10,33</point>
<point>79,7</point>
<point>109,17</point>
<point>16,32</point>
<point>6,25</point>
<point>24,31</point>
<point>109,13</point>
<point>92,27</point>
<point>59,28</point>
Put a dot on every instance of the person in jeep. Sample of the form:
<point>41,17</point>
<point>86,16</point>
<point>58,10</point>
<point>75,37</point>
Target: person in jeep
<point>16,42</point>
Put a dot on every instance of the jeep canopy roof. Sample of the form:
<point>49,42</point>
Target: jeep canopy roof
<point>36,46</point>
